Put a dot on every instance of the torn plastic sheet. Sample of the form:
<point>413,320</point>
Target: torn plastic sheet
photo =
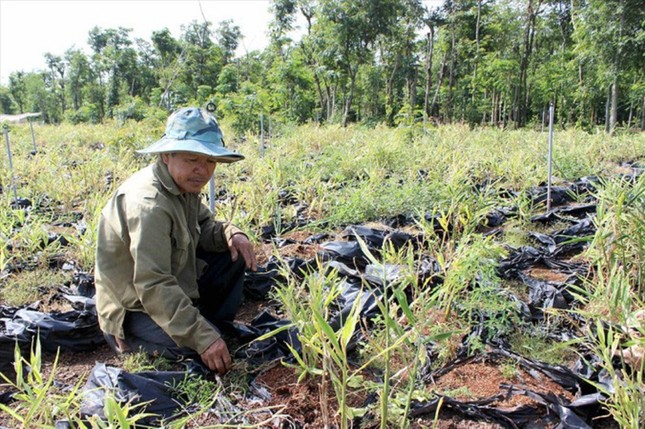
<point>73,331</point>
<point>368,306</point>
<point>480,410</point>
<point>376,238</point>
<point>589,367</point>
<point>274,348</point>
<point>154,388</point>
<point>352,285</point>
<point>527,256</point>
<point>258,284</point>
<point>498,216</point>
<point>588,402</point>
<point>571,415</point>
<point>559,194</point>
<point>347,252</point>
<point>544,294</point>
<point>7,397</point>
<point>565,213</point>
<point>567,241</point>
<point>568,417</point>
<point>271,231</point>
<point>70,331</point>
<point>83,284</point>
<point>11,335</point>
<point>562,375</point>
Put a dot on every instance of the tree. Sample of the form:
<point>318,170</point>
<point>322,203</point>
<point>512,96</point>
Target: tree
<point>354,27</point>
<point>167,48</point>
<point>291,86</point>
<point>494,62</point>
<point>228,37</point>
<point>398,56</point>
<point>113,60</point>
<point>611,35</point>
<point>18,90</point>
<point>202,59</point>
<point>57,77</point>
<point>78,75</point>
<point>521,99</point>
<point>6,105</point>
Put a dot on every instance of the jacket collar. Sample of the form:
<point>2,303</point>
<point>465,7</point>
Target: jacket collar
<point>160,170</point>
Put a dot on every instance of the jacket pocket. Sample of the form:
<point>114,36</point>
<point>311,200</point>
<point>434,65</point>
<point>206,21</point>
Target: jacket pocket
<point>180,247</point>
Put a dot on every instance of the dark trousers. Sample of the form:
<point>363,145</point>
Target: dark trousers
<point>220,296</point>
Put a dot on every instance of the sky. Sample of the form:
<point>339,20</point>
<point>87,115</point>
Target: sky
<point>31,28</point>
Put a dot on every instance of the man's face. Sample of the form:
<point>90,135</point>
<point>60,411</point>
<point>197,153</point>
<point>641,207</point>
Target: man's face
<point>190,171</point>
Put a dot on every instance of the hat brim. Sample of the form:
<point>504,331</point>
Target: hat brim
<point>167,145</point>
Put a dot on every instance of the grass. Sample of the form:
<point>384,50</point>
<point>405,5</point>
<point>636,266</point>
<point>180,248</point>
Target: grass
<point>447,179</point>
<point>30,286</point>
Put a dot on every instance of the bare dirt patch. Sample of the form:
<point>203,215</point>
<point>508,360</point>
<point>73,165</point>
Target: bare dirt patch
<point>547,274</point>
<point>473,381</point>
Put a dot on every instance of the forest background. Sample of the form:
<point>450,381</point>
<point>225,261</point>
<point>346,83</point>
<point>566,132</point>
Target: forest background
<point>495,62</point>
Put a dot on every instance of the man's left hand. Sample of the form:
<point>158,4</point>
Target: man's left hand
<point>238,245</point>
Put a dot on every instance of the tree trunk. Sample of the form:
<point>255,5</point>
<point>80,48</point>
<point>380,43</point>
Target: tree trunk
<point>521,95</point>
<point>608,110</point>
<point>309,60</point>
<point>613,121</point>
<point>477,43</point>
<point>494,108</point>
<point>453,65</point>
<point>389,94</point>
<point>433,105</point>
<point>429,52</point>
<point>412,89</point>
<point>350,97</point>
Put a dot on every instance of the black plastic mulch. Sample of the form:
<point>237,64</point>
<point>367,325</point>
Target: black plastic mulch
<point>78,330</point>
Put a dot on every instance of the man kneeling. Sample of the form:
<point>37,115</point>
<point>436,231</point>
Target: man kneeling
<point>166,272</point>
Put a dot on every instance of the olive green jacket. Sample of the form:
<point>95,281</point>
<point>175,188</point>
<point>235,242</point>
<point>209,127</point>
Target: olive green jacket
<point>148,234</point>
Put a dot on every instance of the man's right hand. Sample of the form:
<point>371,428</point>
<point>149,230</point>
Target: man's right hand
<point>217,358</point>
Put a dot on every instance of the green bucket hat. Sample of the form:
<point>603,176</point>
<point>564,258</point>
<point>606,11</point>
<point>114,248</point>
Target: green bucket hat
<point>194,130</point>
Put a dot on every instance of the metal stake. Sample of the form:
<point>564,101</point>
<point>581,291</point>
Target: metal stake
<point>211,194</point>
<point>33,138</point>
<point>548,189</point>
<point>5,130</point>
<point>262,134</point>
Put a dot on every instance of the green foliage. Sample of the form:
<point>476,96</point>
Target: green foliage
<point>498,63</point>
<point>88,113</point>
<point>39,403</point>
<point>626,402</point>
<point>448,178</point>
<point>536,344</point>
<point>30,286</point>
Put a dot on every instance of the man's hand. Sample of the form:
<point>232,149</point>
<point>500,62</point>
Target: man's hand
<point>217,358</point>
<point>238,245</point>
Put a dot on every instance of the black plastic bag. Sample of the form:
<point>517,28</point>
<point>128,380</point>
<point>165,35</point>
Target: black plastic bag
<point>154,388</point>
<point>70,331</point>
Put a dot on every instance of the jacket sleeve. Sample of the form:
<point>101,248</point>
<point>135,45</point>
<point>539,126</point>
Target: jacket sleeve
<point>150,229</point>
<point>215,235</point>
